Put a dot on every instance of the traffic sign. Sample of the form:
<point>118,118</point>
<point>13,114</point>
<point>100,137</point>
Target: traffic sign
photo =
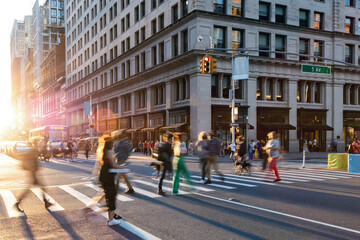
<point>315,69</point>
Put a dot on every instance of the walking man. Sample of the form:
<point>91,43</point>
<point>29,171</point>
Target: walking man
<point>30,164</point>
<point>87,149</point>
<point>213,150</point>
<point>273,150</point>
<point>165,153</point>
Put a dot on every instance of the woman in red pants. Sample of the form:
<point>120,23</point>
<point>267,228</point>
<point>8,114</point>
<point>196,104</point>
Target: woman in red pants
<point>273,150</point>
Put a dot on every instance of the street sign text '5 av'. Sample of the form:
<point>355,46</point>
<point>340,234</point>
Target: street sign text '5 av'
<point>315,69</point>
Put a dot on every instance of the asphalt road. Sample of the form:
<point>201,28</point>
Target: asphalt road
<point>308,204</point>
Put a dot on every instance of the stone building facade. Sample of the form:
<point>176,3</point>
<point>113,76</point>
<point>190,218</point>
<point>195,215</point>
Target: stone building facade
<point>139,61</point>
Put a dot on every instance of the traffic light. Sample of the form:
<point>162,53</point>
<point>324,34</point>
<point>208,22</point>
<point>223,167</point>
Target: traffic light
<point>202,65</point>
<point>206,61</point>
<point>213,65</point>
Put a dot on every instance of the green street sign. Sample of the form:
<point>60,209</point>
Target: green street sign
<point>315,69</point>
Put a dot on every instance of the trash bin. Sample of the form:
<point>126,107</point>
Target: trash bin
<point>354,163</point>
<point>338,161</point>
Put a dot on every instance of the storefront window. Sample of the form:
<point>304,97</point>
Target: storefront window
<point>258,89</point>
<point>226,83</point>
<point>214,86</point>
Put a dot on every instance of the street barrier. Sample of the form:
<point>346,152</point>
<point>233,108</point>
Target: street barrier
<point>354,163</point>
<point>338,161</point>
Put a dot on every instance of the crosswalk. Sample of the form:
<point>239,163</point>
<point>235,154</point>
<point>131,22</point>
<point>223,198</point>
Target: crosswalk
<point>84,191</point>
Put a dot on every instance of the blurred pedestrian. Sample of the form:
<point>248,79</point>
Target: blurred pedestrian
<point>122,150</point>
<point>145,146</point>
<point>165,153</point>
<point>202,153</point>
<point>179,163</point>
<point>273,149</point>
<point>264,155</point>
<point>140,146</point>
<point>152,148</point>
<point>87,149</point>
<point>354,147</point>
<point>105,155</point>
<point>191,148</point>
<point>232,147</point>
<point>29,160</point>
<point>241,147</point>
<point>222,149</point>
<point>251,149</point>
<point>213,151</point>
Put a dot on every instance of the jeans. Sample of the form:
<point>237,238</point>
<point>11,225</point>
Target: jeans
<point>273,167</point>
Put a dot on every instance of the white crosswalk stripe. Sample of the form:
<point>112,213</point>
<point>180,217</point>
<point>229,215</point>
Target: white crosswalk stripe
<point>156,186</point>
<point>216,185</point>
<point>305,174</point>
<point>118,196</point>
<point>9,201</point>
<point>287,177</point>
<point>335,173</point>
<point>142,192</point>
<point>189,186</point>
<point>254,178</point>
<point>54,207</point>
<point>229,182</point>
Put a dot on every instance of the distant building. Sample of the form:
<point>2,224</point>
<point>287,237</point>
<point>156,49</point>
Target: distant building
<point>139,62</point>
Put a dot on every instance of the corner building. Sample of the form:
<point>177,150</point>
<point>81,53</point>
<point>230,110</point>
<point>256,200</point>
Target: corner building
<point>139,61</point>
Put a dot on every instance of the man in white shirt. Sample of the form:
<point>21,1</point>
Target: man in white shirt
<point>273,150</point>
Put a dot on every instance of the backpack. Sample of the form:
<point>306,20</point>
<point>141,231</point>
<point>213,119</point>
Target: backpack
<point>122,149</point>
<point>351,149</point>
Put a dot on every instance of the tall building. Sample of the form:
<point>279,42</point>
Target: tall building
<point>139,62</point>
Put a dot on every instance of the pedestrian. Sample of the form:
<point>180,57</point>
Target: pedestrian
<point>74,148</point>
<point>179,163</point>
<point>251,149</point>
<point>354,147</point>
<point>315,145</point>
<point>122,150</point>
<point>69,150</point>
<point>273,149</point>
<point>202,153</point>
<point>241,147</point>
<point>232,147</point>
<point>87,149</point>
<point>29,159</point>
<point>222,149</point>
<point>152,148</point>
<point>191,148</point>
<point>213,151</point>
<point>264,155</point>
<point>140,146</point>
<point>165,153</point>
<point>259,146</point>
<point>310,146</point>
<point>335,145</point>
<point>62,149</point>
<point>145,148</point>
<point>105,155</point>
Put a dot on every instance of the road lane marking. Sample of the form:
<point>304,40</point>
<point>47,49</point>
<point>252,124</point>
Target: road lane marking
<point>317,175</point>
<point>335,173</point>
<point>190,186</point>
<point>156,186</point>
<point>118,196</point>
<point>229,182</point>
<point>124,224</point>
<point>55,207</point>
<point>287,177</point>
<point>252,179</point>
<point>215,185</point>
<point>282,214</point>
<point>141,191</point>
<point>9,200</point>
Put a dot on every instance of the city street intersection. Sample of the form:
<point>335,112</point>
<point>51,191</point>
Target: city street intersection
<point>313,203</point>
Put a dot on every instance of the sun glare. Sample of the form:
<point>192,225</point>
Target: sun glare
<point>7,117</point>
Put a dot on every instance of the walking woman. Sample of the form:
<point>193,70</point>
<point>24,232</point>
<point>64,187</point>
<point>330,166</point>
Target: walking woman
<point>273,150</point>
<point>179,163</point>
<point>202,153</point>
<point>107,179</point>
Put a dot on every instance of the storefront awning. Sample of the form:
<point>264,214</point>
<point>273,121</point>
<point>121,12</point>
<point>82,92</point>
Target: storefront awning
<point>148,129</point>
<point>116,132</point>
<point>243,125</point>
<point>174,126</point>
<point>277,126</point>
<point>132,130</point>
<point>313,127</point>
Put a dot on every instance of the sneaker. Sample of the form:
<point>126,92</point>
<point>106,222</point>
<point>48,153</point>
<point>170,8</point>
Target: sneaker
<point>17,207</point>
<point>118,217</point>
<point>130,191</point>
<point>202,181</point>
<point>47,203</point>
<point>277,180</point>
<point>208,182</point>
<point>113,222</point>
<point>160,192</point>
<point>175,194</point>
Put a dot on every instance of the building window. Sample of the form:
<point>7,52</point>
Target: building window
<point>280,45</point>
<point>280,13</point>
<point>143,61</point>
<point>349,25</point>
<point>175,13</point>
<point>318,20</point>
<point>259,89</point>
<point>280,90</point>
<point>350,3</point>
<point>349,53</point>
<point>175,45</point>
<point>136,14</point>
<point>264,11</point>
<point>142,9</point>
<point>161,22</point>
<point>219,37</point>
<point>318,50</point>
<point>269,85</point>
<point>239,89</point>
<point>237,7</point>
<point>359,57</point>
<point>237,39</point>
<point>303,18</point>
<point>264,44</point>
<point>304,48</point>
<point>219,6</point>
<point>185,41</point>
<point>161,52</point>
<point>153,26</point>
<point>214,86</point>
<point>317,92</point>
<point>153,4</point>
<point>226,84</point>
<point>154,56</point>
<point>143,34</point>
<point>184,7</point>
